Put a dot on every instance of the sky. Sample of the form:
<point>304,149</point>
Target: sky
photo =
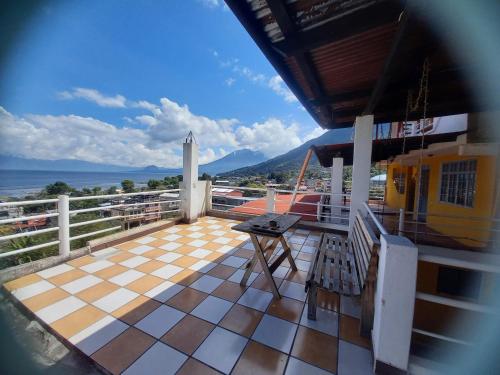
<point>123,82</point>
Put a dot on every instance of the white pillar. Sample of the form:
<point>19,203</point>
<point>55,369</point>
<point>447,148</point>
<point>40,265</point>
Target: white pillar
<point>63,224</point>
<point>362,161</point>
<point>270,199</point>
<point>189,179</point>
<point>336,197</point>
<point>394,302</point>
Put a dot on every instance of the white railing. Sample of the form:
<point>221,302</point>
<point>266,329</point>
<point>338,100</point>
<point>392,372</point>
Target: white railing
<point>273,197</point>
<point>61,211</point>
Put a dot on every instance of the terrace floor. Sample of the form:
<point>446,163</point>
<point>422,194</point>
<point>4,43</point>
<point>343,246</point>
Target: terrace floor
<point>171,302</point>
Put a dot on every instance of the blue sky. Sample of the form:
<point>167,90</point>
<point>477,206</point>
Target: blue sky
<point>122,82</point>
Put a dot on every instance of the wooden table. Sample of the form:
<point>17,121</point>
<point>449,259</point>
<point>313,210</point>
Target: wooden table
<point>265,239</point>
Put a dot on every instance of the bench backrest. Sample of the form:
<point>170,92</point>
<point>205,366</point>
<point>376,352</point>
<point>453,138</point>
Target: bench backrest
<point>365,245</point>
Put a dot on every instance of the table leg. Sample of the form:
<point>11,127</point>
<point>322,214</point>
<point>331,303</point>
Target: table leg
<point>288,250</point>
<point>265,267</point>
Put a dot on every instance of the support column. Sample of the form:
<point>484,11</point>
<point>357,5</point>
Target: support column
<point>189,179</point>
<point>63,224</point>
<point>362,160</point>
<point>394,304</point>
<point>270,193</point>
<point>337,180</point>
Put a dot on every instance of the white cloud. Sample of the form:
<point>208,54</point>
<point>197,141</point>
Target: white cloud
<point>211,3</point>
<point>230,81</point>
<point>277,84</point>
<point>91,95</point>
<point>317,131</point>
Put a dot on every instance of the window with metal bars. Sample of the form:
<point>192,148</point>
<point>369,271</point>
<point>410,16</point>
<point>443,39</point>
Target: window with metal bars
<point>458,180</point>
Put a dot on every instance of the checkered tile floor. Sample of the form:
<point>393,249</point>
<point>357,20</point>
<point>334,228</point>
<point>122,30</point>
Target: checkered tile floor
<point>171,303</point>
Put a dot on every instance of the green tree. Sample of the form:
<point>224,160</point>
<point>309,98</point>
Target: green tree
<point>57,188</point>
<point>112,190</point>
<point>154,184</point>
<point>205,177</point>
<point>128,186</point>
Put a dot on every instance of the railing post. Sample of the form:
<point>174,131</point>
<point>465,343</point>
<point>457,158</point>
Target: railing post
<point>394,302</point>
<point>401,226</point>
<point>270,193</point>
<point>63,223</point>
<point>208,196</point>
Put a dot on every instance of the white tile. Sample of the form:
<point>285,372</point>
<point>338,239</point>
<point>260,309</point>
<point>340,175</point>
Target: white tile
<point>60,309</point>
<point>238,275</point>
<point>160,321</point>
<point>297,367</point>
<point>194,228</point>
<point>80,284</point>
<point>171,237</point>
<point>212,309</point>
<point>248,246</point>
<point>139,250</point>
<point>134,261</point>
<point>308,249</point>
<point>293,290</point>
<point>222,240</point>
<point>54,271</point>
<point>98,334</point>
<point>115,300</point>
<point>234,261</point>
<point>326,321</point>
<point>200,253</point>
<point>173,230</point>
<point>206,283</point>
<point>214,226</point>
<point>170,246</point>
<point>96,266</point>
<point>218,233</point>
<point>276,333</point>
<point>197,243</point>
<point>126,277</point>
<point>221,349</point>
<point>297,240</point>
<point>145,240</point>
<point>160,359</point>
<point>256,299</point>
<point>164,291</point>
<point>169,257</point>
<point>167,271</point>
<point>353,359</point>
<point>242,237</point>
<point>302,265</point>
<point>226,249</point>
<point>350,306</point>
<point>195,235</point>
<point>302,231</point>
<point>31,290</point>
<point>104,253</point>
<point>202,266</point>
<point>281,272</point>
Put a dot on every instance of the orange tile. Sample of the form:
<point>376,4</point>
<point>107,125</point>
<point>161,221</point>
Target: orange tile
<point>297,276</point>
<point>194,367</point>
<point>45,299</point>
<point>244,253</point>
<point>186,277</point>
<point>120,257</point>
<point>242,320</point>
<point>100,290</point>
<point>158,242</point>
<point>155,253</point>
<point>212,246</point>
<point>262,283</point>
<point>185,261</point>
<point>208,237</point>
<point>235,243</point>
<point>144,284</point>
<point>222,271</point>
<point>305,256</point>
<point>109,272</point>
<point>229,291</point>
<point>188,334</point>
<point>119,354</point>
<point>184,232</point>
<point>328,300</point>
<point>215,257</point>
<point>127,245</point>
<point>150,266</point>
<point>260,359</point>
<point>184,240</point>
<point>286,308</point>
<point>136,309</point>
<point>77,321</point>
<point>316,348</point>
<point>22,282</point>
<point>66,277</point>
<point>349,331</point>
<point>185,249</point>
<point>82,261</point>
<point>187,299</point>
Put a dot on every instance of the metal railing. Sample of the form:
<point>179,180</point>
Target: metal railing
<point>144,208</point>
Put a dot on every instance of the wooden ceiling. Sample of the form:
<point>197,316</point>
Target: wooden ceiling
<point>345,58</point>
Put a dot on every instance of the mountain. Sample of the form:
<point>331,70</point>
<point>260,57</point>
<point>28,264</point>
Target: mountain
<point>13,162</point>
<point>293,159</point>
<point>235,160</point>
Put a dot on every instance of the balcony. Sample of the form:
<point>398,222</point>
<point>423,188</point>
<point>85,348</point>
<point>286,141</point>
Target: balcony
<point>171,301</point>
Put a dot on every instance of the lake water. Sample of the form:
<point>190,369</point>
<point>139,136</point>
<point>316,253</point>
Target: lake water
<point>14,183</point>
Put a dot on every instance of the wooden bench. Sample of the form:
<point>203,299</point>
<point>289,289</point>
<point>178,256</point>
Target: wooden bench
<point>347,267</point>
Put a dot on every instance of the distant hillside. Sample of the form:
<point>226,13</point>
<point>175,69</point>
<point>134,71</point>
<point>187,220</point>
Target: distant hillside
<point>234,160</point>
<point>12,162</point>
<point>293,159</point>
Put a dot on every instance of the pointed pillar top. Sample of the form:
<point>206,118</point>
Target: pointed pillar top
<point>190,138</point>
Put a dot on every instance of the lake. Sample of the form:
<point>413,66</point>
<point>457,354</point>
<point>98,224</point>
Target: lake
<point>18,183</point>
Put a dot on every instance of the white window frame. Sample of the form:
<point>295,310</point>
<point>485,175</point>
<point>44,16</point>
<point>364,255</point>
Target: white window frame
<point>460,176</point>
